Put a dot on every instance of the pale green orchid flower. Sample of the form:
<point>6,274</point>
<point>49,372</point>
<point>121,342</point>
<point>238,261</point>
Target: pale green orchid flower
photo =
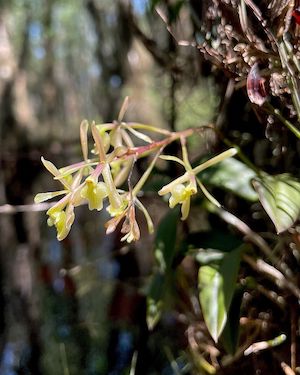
<point>94,192</point>
<point>61,218</point>
<point>183,187</point>
<point>181,194</point>
<point>61,214</point>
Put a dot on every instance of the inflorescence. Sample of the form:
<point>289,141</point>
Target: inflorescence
<point>98,179</point>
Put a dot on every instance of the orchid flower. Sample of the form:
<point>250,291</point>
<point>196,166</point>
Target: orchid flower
<point>183,187</point>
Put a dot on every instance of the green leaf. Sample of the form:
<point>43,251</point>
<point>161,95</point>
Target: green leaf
<point>280,197</point>
<point>214,239</point>
<point>166,239</point>
<point>216,287</point>
<point>154,300</point>
<point>161,281</point>
<point>232,175</point>
<point>230,334</point>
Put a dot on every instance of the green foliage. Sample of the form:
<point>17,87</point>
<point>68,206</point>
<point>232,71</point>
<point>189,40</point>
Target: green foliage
<point>165,241</point>
<point>162,280</point>
<point>230,335</point>
<point>232,175</point>
<point>280,197</point>
<point>217,282</point>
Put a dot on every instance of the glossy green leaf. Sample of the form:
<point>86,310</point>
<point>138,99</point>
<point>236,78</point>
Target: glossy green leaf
<point>216,287</point>
<point>280,197</point>
<point>232,175</point>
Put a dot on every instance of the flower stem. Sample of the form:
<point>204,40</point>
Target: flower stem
<point>146,174</point>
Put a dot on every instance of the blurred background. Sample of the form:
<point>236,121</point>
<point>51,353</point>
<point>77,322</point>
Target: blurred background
<point>77,307</point>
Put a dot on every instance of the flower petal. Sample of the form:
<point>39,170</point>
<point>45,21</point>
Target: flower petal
<point>70,216</point>
<point>216,159</point>
<point>50,167</point>
<point>99,143</point>
<point>172,158</point>
<point>185,208</point>
<point>61,226</point>
<point>59,206</point>
<point>83,138</point>
<point>138,134</point>
<point>180,180</point>
<point>42,197</point>
<point>112,224</point>
<point>147,216</point>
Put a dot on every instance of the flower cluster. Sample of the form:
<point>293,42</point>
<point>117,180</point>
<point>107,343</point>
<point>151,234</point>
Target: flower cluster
<point>97,179</point>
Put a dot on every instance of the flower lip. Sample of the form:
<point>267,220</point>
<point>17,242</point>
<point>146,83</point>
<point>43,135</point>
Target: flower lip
<point>181,194</point>
<point>94,192</point>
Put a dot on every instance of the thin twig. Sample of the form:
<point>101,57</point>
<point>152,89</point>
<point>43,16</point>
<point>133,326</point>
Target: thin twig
<point>262,345</point>
<point>272,296</point>
<point>229,359</point>
<point>273,274</point>
<point>247,231</point>
<point>256,239</point>
<point>10,209</point>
